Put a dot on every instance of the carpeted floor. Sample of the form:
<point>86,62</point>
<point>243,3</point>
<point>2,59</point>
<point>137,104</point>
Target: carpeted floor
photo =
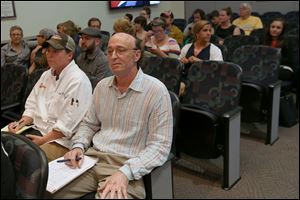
<point>267,172</point>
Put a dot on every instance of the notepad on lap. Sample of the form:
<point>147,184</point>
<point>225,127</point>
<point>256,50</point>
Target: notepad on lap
<point>24,128</point>
<point>60,174</point>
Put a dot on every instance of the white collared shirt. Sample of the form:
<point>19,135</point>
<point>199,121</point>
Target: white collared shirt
<point>60,104</point>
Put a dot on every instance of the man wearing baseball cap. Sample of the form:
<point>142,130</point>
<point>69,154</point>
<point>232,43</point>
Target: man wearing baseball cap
<point>172,30</point>
<point>38,54</point>
<point>92,59</point>
<point>58,101</point>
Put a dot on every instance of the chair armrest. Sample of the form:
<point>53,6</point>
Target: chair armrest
<point>3,108</point>
<point>275,84</point>
<point>232,112</point>
<point>198,110</point>
<point>10,115</point>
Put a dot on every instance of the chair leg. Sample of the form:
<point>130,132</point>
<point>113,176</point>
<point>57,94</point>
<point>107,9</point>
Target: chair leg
<point>273,113</point>
<point>231,168</point>
<point>162,181</point>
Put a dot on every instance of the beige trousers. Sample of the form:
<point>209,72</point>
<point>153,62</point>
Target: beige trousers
<point>107,164</point>
<point>54,150</point>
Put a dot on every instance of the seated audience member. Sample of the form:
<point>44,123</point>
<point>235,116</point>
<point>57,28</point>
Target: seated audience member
<point>159,43</point>
<point>172,30</point>
<point>17,50</point>
<point>130,125</point>
<point>69,28</point>
<point>59,28</point>
<point>146,12</point>
<point>200,49</point>
<point>58,101</point>
<point>226,29</point>
<point>275,37</point>
<point>38,55</point>
<point>139,24</point>
<point>128,16</point>
<point>124,26</point>
<point>91,59</point>
<point>198,15</point>
<point>96,23</point>
<point>214,19</point>
<point>247,22</point>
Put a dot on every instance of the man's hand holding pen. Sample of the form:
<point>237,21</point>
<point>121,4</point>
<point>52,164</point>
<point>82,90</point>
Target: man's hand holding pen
<point>74,158</point>
<point>15,126</point>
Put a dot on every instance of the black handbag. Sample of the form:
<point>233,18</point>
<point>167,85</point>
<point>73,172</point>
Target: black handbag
<point>288,113</point>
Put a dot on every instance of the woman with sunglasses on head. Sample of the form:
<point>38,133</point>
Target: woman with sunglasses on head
<point>158,43</point>
<point>200,49</point>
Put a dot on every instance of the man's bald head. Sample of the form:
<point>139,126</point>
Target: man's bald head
<point>124,38</point>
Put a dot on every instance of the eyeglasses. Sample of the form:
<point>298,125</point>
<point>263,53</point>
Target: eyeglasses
<point>119,51</point>
<point>15,34</point>
<point>95,26</point>
<point>158,31</point>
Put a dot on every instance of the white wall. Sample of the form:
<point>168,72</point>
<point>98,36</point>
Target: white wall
<point>35,15</point>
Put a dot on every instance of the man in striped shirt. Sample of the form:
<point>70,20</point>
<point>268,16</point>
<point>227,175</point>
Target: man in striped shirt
<point>130,125</point>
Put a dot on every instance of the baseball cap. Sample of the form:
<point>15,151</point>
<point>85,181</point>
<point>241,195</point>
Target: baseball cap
<point>91,32</point>
<point>167,14</point>
<point>46,32</point>
<point>60,42</point>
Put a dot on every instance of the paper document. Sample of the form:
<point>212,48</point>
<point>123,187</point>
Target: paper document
<point>19,131</point>
<point>60,174</point>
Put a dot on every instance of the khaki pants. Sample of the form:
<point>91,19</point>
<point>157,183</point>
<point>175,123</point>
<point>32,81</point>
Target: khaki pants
<point>54,150</point>
<point>107,164</point>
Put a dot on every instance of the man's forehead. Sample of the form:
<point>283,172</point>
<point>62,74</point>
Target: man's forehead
<point>122,39</point>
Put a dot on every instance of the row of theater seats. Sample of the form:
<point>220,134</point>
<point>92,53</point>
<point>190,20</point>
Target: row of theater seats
<point>16,85</point>
<point>219,96</point>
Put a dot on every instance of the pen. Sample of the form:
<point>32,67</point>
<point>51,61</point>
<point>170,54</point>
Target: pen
<point>18,123</point>
<point>72,101</point>
<point>68,160</point>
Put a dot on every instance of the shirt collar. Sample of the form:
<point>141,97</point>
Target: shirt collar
<point>136,84</point>
<point>64,71</point>
<point>10,46</point>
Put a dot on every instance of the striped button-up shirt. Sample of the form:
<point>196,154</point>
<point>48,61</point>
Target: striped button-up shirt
<point>137,124</point>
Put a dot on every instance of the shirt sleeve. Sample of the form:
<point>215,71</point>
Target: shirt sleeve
<point>174,48</point>
<point>258,24</point>
<point>90,124</point>
<point>103,69</point>
<point>187,30</point>
<point>184,51</point>
<point>215,53</point>
<point>3,53</point>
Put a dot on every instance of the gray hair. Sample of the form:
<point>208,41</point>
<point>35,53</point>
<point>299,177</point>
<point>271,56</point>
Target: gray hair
<point>247,5</point>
